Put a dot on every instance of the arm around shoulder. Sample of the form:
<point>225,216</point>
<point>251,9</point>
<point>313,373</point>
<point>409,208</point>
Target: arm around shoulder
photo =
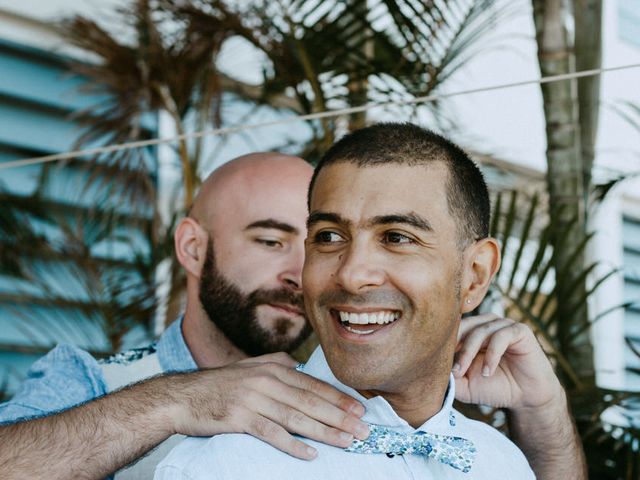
<point>89,440</point>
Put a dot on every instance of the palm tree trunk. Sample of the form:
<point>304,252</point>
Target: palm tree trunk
<point>588,25</point>
<point>565,178</point>
<point>362,40</point>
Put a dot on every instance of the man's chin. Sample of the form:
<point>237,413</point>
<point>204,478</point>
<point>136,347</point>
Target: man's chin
<point>285,335</point>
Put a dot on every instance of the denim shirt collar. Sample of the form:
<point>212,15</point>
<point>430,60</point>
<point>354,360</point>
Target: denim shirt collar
<point>173,353</point>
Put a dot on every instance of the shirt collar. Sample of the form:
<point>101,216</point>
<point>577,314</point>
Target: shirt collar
<point>378,410</point>
<point>173,353</point>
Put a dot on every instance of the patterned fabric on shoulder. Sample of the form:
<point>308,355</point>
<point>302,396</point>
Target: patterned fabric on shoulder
<point>124,358</point>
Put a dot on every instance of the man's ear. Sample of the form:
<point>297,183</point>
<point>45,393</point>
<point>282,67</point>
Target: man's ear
<point>190,242</point>
<point>482,261</point>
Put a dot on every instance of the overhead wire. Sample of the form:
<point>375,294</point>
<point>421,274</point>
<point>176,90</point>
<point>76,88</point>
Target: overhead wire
<point>305,117</point>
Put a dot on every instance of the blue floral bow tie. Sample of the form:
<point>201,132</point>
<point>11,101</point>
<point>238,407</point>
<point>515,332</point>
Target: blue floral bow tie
<point>456,452</point>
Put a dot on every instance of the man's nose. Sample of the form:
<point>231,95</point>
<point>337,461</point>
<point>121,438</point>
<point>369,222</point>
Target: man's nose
<point>291,274</point>
<point>358,269</point>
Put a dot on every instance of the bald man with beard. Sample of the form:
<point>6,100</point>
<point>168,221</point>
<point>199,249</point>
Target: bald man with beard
<point>242,248</point>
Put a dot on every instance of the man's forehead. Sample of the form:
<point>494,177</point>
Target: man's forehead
<point>266,204</point>
<point>392,187</point>
<point>255,179</point>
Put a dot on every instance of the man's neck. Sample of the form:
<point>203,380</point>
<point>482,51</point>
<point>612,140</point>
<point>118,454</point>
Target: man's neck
<point>207,344</point>
<point>419,394</point>
<point>418,402</point>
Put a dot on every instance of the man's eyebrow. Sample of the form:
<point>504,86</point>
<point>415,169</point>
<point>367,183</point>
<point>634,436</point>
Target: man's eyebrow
<point>316,217</point>
<point>412,219</point>
<point>272,223</point>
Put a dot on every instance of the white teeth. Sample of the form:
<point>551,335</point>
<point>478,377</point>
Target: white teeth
<point>379,318</point>
<point>359,332</point>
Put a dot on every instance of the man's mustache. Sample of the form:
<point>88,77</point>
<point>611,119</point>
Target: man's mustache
<point>280,295</point>
<point>388,298</point>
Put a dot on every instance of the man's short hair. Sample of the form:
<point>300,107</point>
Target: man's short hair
<point>409,144</point>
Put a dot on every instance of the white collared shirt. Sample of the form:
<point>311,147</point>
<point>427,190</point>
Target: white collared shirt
<point>239,456</point>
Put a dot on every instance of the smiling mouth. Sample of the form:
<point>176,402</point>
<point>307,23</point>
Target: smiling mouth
<point>366,323</point>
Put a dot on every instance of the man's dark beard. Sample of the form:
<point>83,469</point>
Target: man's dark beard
<point>235,313</point>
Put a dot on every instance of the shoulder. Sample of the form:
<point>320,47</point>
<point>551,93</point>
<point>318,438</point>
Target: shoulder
<point>497,457</point>
<point>227,456</point>
<point>65,377</point>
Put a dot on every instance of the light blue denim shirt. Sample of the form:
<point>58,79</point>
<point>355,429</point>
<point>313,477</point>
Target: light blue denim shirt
<point>68,376</point>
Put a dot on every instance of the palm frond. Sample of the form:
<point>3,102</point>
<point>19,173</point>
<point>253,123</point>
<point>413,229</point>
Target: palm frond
<point>335,54</point>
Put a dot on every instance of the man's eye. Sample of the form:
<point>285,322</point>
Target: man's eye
<point>327,237</point>
<point>269,242</point>
<point>396,238</point>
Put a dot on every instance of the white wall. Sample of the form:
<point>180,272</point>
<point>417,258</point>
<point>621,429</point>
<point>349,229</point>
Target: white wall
<point>31,22</point>
<point>510,124</point>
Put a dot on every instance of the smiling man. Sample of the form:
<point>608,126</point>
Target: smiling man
<point>383,245</point>
<point>397,250</point>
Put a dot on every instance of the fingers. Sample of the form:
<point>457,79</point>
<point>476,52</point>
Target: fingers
<point>267,398</point>
<point>323,390</point>
<point>498,345</point>
<point>311,407</point>
<point>469,323</point>
<point>289,402</point>
<point>493,339</point>
<point>276,436</point>
<point>295,421</point>
<point>308,383</point>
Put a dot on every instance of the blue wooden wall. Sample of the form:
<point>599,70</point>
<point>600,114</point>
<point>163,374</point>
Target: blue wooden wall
<point>631,258</point>
<point>37,98</point>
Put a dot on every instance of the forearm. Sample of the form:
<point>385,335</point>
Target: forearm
<point>549,439</point>
<point>89,441</point>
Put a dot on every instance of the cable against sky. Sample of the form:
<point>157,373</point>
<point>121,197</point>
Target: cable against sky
<point>309,116</point>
